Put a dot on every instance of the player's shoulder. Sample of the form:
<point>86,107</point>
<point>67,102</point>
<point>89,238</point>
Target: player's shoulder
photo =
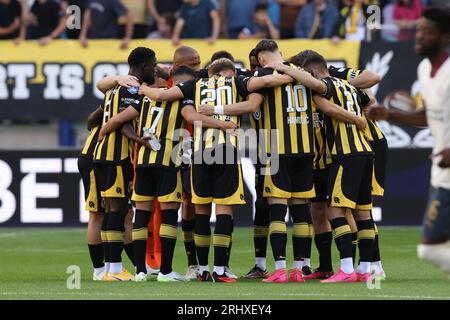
<point>263,71</point>
<point>424,67</point>
<point>243,72</point>
<point>129,95</point>
<point>446,65</point>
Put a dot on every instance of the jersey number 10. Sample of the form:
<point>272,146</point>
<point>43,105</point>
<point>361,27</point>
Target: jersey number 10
<point>296,103</point>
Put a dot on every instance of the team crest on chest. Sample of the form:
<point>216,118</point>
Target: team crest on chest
<point>257,114</point>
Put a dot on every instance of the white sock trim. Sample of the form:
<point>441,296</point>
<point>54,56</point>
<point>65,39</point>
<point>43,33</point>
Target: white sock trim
<point>219,270</point>
<point>203,269</point>
<point>115,267</point>
<point>347,265</point>
<point>364,267</point>
<point>280,264</point>
<point>297,264</point>
<point>261,263</point>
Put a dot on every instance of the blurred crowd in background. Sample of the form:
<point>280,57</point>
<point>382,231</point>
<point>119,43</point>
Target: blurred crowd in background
<point>45,20</point>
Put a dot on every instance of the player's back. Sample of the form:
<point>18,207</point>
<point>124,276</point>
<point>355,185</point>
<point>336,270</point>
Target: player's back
<point>163,120</point>
<point>345,139</point>
<point>218,90</point>
<point>288,110</point>
<point>115,147</point>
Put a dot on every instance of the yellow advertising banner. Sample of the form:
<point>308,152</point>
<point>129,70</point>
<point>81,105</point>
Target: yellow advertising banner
<point>101,51</point>
<point>58,80</point>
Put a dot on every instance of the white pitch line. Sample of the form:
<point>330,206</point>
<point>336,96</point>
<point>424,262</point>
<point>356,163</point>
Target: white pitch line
<point>38,232</point>
<point>310,294</point>
<point>9,235</point>
<point>41,250</point>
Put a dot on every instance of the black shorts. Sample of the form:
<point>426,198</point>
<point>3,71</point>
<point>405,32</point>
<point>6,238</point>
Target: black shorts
<point>379,167</point>
<point>350,183</point>
<point>259,180</point>
<point>114,180</point>
<point>186,180</point>
<point>293,179</point>
<point>219,183</point>
<point>320,184</point>
<point>92,197</point>
<point>160,183</point>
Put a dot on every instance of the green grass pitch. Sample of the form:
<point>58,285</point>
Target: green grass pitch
<point>34,263</point>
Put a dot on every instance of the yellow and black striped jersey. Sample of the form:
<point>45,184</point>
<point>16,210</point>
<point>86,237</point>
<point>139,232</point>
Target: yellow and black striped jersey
<point>89,144</point>
<point>164,119</point>
<point>322,156</point>
<point>115,147</point>
<point>345,139</point>
<point>217,90</point>
<point>287,116</point>
<point>372,132</point>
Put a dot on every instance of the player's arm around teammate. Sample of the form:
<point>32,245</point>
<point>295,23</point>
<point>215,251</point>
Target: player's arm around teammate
<point>327,107</point>
<point>109,82</point>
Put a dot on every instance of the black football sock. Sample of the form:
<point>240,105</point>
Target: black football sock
<point>342,236</point>
<point>188,227</point>
<point>105,237</point>
<point>96,253</point>
<point>140,233</point>
<point>168,235</point>
<point>221,239</point>
<point>301,237</point>
<point>115,234</point>
<point>366,236</point>
<point>354,245</point>
<point>261,230</point>
<point>376,246</point>
<point>227,263</point>
<point>129,250</point>
<point>323,244</point>
<point>202,238</point>
<point>277,231</point>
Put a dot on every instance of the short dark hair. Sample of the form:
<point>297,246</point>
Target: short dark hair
<point>222,54</point>
<point>183,70</point>
<point>221,64</point>
<point>299,59</point>
<point>261,7</point>
<point>161,73</point>
<point>317,60</point>
<point>251,53</point>
<point>265,45</point>
<point>141,55</point>
<point>440,16</point>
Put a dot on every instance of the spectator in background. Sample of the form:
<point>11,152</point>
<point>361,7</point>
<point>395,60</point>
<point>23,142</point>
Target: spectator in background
<point>139,10</point>
<point>289,10</point>
<point>273,9</point>
<point>49,20</point>
<point>353,16</point>
<point>161,9</point>
<point>406,15</point>
<point>389,32</point>
<point>262,28</point>
<point>74,33</point>
<point>100,21</point>
<point>10,20</point>
<point>165,27</point>
<point>199,19</point>
<point>317,20</point>
<point>237,15</point>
